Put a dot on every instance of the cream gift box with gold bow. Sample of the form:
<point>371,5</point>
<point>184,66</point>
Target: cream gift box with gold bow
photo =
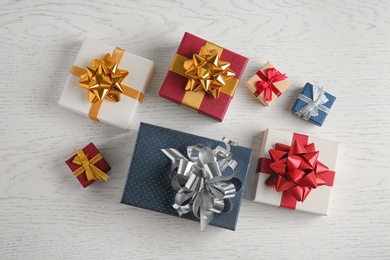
<point>121,113</point>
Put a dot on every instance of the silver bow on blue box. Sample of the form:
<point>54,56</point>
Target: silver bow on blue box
<point>318,101</point>
<point>201,187</point>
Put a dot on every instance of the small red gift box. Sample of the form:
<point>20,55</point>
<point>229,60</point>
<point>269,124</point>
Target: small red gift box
<point>88,165</point>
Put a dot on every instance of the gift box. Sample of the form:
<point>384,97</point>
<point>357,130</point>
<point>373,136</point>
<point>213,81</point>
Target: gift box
<point>267,84</point>
<point>313,104</point>
<point>203,76</point>
<point>106,84</point>
<point>296,171</point>
<point>151,180</point>
<point>88,165</point>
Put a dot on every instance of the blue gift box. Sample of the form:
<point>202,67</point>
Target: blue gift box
<point>148,183</point>
<point>308,92</point>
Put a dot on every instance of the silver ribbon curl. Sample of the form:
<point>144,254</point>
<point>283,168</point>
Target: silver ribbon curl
<point>311,109</point>
<point>200,185</point>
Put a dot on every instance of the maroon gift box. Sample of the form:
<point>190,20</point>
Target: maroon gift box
<point>90,151</point>
<point>173,87</point>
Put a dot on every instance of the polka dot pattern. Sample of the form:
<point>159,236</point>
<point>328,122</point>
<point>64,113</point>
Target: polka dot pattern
<point>148,183</point>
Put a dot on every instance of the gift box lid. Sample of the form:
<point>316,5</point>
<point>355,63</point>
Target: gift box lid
<point>280,84</point>
<point>308,92</point>
<point>148,183</point>
<point>317,202</point>
<point>119,114</point>
<point>90,151</point>
<point>173,87</point>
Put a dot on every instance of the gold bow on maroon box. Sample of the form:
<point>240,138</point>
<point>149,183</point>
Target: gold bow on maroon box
<point>205,71</point>
<point>88,166</point>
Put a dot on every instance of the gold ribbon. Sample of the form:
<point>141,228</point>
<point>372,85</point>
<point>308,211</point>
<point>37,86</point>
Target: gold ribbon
<point>88,166</point>
<point>206,73</point>
<point>103,79</point>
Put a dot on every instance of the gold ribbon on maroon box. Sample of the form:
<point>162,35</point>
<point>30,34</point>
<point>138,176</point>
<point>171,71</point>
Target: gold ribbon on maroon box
<point>88,166</point>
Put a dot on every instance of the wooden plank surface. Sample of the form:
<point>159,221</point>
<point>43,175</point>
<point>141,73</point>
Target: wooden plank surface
<point>46,214</point>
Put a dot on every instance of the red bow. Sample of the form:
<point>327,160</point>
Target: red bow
<point>295,170</point>
<point>266,83</point>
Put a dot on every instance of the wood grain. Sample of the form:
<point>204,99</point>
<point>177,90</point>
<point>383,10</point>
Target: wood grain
<point>46,214</point>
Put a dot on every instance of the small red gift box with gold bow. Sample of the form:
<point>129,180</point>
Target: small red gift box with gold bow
<point>88,165</point>
<point>203,76</point>
<point>296,171</point>
<point>268,84</point>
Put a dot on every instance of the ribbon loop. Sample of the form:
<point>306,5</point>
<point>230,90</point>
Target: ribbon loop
<point>88,166</point>
<point>206,72</point>
<point>201,188</point>
<point>314,104</point>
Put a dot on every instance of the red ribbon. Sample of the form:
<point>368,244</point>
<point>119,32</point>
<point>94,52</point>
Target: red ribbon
<point>266,83</point>
<point>295,170</point>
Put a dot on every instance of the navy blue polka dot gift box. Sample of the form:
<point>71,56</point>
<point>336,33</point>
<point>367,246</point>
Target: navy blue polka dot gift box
<point>148,183</point>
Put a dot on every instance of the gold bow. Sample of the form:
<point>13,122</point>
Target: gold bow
<point>103,79</point>
<point>206,72</point>
<point>91,171</point>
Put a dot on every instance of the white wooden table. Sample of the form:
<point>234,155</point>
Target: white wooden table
<point>46,214</point>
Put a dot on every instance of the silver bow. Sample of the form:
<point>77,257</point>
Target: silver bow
<point>200,185</point>
<point>311,109</point>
